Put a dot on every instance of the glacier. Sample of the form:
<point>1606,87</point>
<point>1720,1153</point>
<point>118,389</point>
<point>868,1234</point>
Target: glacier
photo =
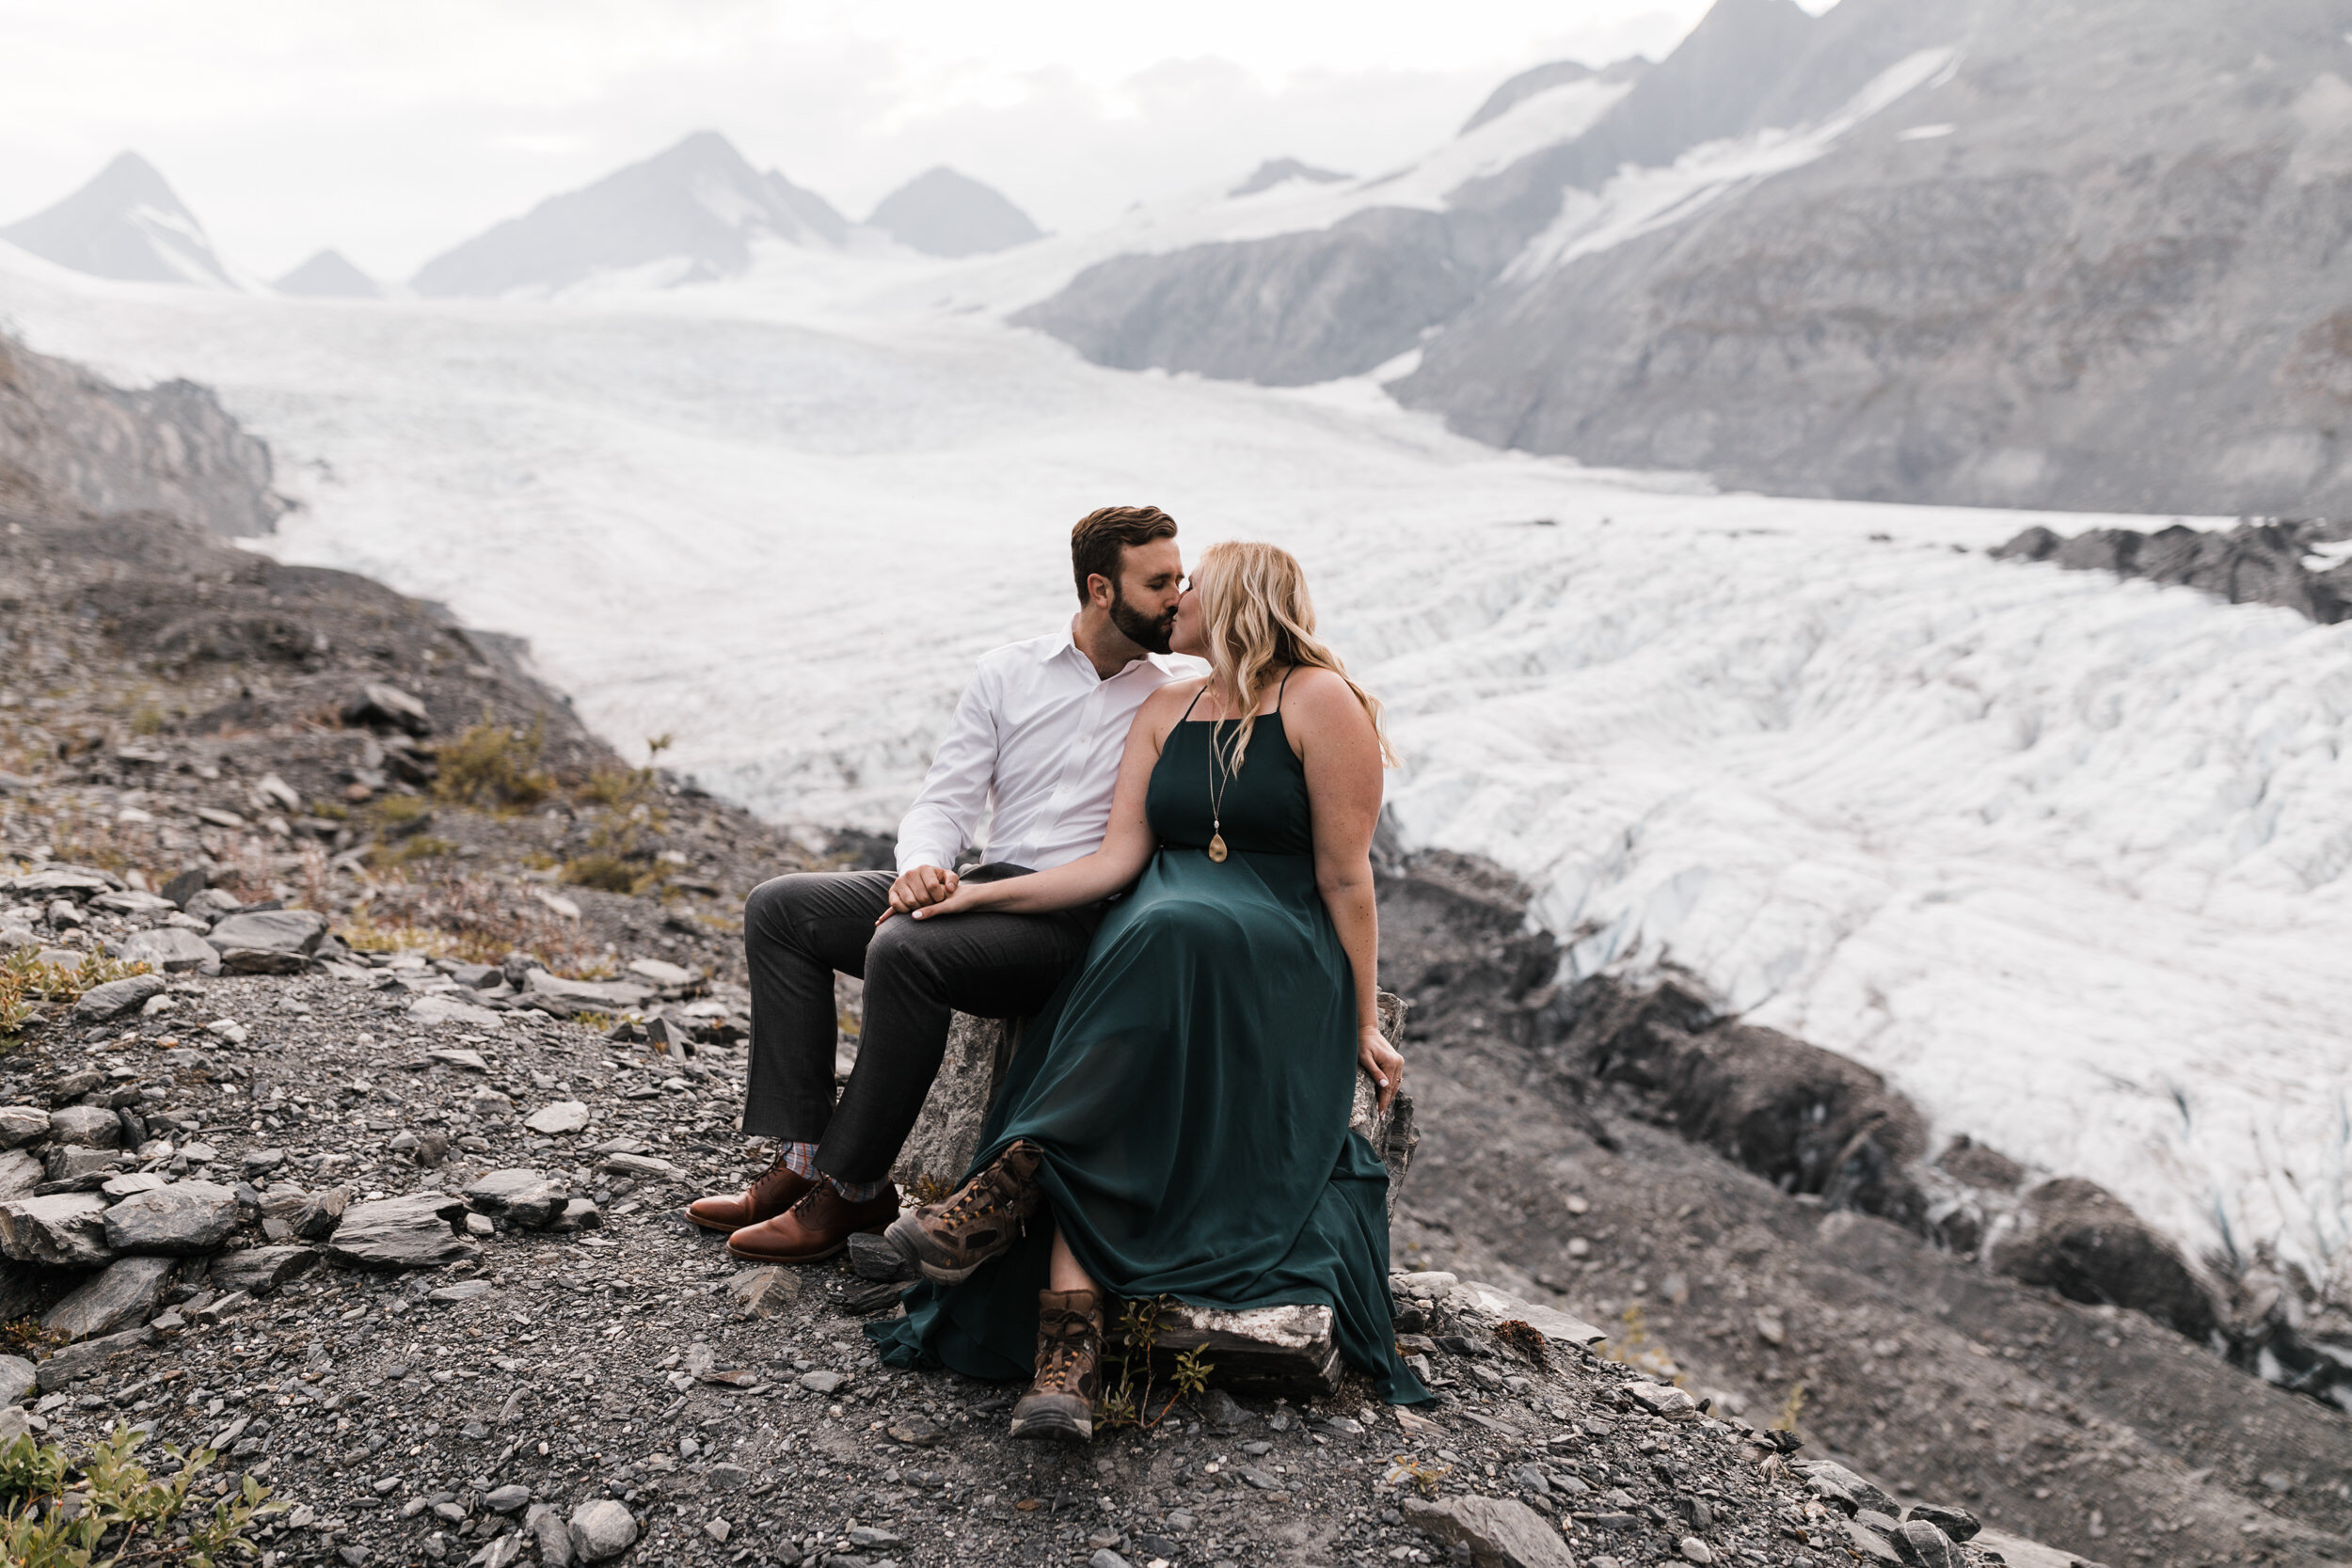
<point>2064,857</point>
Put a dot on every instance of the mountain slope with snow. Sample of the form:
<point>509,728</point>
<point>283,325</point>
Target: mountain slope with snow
<point>688,215</point>
<point>126,223</point>
<point>2065,857</point>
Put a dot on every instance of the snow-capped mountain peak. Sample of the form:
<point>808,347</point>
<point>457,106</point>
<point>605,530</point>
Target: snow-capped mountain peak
<point>126,223</point>
<point>686,215</point>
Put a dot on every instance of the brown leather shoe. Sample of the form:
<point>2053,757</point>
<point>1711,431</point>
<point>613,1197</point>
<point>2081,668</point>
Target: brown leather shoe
<point>1060,1403</point>
<point>950,1239</point>
<point>818,1226</point>
<point>772,1191</point>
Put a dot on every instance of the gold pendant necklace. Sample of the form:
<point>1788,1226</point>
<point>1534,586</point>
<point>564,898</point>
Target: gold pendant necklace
<point>1216,800</point>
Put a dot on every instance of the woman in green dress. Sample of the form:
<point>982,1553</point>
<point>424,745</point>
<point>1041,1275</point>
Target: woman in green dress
<point>1176,1122</point>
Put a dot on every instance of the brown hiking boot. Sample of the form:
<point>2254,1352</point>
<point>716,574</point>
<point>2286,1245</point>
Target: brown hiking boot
<point>1060,1403</point>
<point>950,1239</point>
<point>816,1227</point>
<point>772,1191</point>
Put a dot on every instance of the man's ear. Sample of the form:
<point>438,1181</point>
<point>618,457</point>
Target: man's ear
<point>1101,590</point>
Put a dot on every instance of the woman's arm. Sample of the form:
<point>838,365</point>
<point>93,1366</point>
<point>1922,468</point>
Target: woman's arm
<point>1342,754</point>
<point>1127,842</point>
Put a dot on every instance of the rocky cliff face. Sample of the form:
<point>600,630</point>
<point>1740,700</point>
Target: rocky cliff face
<point>170,449</point>
<point>1976,251</point>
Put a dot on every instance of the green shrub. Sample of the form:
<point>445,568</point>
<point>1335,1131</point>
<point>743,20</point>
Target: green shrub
<point>611,873</point>
<point>103,1508</point>
<point>495,767</point>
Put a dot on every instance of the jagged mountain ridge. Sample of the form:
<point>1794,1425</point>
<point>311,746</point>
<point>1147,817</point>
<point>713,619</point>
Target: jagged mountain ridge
<point>695,209</point>
<point>1962,252</point>
<point>126,223</point>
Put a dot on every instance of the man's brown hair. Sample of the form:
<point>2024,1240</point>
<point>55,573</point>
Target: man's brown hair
<point>1102,534</point>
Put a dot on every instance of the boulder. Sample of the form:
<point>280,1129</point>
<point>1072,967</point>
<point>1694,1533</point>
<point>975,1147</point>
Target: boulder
<point>318,1216</point>
<point>379,707</point>
<point>21,1125</point>
<point>268,941</point>
<point>103,1004</point>
<point>171,950</point>
<point>178,1221</point>
<point>601,1530</point>
<point>261,1270</point>
<point>1501,1532</point>
<point>17,1378</point>
<point>88,1126</point>
<point>2085,1243</point>
<point>77,1361</point>
<point>523,1198</point>
<point>20,1173</point>
<point>68,1228</point>
<point>415,1231</point>
<point>124,1295</point>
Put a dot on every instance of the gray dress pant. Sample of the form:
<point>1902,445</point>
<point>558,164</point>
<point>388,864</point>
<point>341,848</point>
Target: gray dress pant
<point>799,929</point>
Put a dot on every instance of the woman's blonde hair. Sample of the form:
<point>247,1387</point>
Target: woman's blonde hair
<point>1257,619</point>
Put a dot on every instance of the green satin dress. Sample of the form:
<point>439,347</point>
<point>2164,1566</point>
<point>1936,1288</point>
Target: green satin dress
<point>1189,1085</point>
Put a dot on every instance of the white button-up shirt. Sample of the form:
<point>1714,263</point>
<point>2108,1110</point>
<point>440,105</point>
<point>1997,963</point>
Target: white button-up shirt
<point>1035,740</point>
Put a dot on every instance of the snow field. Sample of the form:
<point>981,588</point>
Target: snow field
<point>2063,856</point>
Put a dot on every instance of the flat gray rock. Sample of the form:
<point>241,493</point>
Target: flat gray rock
<point>294,932</point>
<point>441,1008</point>
<point>123,1295</point>
<point>101,1004</point>
<point>171,950</point>
<point>258,1270</point>
<point>411,1233</point>
<point>564,1116</point>
<point>17,1378</point>
<point>1501,1532</point>
<point>68,1228</point>
<point>88,1355</point>
<point>523,1198</point>
<point>180,1220</point>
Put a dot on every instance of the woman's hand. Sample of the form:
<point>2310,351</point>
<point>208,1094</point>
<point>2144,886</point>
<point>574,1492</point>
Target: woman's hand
<point>1375,1055</point>
<point>967,897</point>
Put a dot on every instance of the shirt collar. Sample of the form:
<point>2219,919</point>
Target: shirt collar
<point>1065,644</point>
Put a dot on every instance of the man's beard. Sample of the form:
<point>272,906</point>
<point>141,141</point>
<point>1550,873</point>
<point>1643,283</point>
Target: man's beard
<point>1144,633</point>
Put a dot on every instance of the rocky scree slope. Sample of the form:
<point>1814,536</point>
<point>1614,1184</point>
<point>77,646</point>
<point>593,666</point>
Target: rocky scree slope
<point>1759,1216</point>
<point>398,1233</point>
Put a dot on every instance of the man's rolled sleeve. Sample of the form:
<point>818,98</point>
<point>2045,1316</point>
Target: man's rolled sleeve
<point>947,815</point>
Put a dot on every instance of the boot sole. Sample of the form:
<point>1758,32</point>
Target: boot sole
<point>701,1224</point>
<point>906,1236</point>
<point>1053,1429</point>
<point>833,1251</point>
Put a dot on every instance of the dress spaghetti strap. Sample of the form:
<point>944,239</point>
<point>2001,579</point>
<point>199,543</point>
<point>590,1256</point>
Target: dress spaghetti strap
<point>1194,704</point>
<point>1284,686</point>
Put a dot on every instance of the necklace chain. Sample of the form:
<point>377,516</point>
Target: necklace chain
<point>1219,781</point>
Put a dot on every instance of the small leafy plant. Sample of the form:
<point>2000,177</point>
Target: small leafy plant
<point>103,1508</point>
<point>1121,1402</point>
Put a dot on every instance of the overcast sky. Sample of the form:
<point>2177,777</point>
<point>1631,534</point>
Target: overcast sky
<point>393,130</point>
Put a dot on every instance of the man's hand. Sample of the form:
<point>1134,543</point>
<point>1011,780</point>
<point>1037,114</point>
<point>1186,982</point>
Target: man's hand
<point>919,888</point>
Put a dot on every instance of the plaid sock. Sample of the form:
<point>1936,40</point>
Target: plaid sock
<point>800,1159</point>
